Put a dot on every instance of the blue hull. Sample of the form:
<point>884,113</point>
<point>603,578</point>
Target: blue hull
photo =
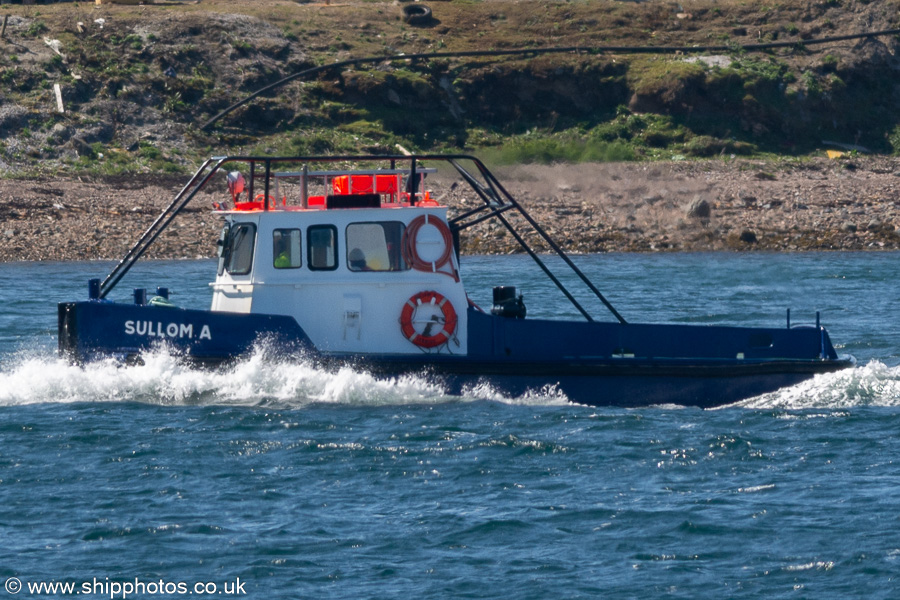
<point>704,391</point>
<point>94,330</point>
<point>603,364</point>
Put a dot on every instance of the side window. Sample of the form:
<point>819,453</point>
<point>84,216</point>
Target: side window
<point>321,242</point>
<point>286,252</point>
<point>238,252</point>
<point>375,246</point>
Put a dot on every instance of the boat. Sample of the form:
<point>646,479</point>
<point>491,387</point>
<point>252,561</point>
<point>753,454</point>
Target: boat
<point>353,260</point>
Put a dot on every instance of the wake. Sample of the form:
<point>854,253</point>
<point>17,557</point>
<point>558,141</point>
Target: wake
<point>873,384</point>
<point>256,381</point>
<point>42,377</point>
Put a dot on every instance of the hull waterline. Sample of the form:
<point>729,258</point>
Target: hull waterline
<point>91,331</point>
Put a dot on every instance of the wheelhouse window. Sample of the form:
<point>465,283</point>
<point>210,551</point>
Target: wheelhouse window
<point>375,246</point>
<point>238,250</point>
<point>321,243</point>
<point>286,249</point>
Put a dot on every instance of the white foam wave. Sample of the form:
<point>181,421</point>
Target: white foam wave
<point>40,377</point>
<point>547,395</point>
<point>873,384</point>
<point>259,380</point>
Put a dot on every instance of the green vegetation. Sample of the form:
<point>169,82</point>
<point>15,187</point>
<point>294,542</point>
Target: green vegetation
<point>829,62</point>
<point>894,140</point>
<point>173,74</point>
<point>36,28</point>
<point>662,75</point>
<point>113,161</point>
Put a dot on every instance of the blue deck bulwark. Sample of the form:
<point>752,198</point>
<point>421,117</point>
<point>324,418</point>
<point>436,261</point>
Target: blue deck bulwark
<point>591,363</point>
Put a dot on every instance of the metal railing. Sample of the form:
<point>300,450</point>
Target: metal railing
<point>497,201</point>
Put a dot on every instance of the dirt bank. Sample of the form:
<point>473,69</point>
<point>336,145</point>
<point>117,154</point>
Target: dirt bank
<point>821,204</point>
<point>138,83</point>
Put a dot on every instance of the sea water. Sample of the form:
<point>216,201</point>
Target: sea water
<point>275,480</point>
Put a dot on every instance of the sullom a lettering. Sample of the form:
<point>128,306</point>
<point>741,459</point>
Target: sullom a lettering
<point>162,330</point>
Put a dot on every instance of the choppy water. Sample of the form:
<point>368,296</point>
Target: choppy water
<point>298,483</point>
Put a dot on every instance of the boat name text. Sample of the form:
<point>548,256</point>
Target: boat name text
<point>170,330</point>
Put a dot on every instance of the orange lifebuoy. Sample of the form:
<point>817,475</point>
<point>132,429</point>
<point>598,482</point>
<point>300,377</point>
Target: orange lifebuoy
<point>411,254</point>
<point>421,339</point>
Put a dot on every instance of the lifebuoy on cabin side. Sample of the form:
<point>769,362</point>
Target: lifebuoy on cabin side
<point>416,235</point>
<point>434,303</point>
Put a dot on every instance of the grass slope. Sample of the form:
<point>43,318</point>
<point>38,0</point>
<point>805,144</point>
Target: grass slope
<point>138,80</point>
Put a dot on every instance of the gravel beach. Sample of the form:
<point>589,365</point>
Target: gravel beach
<point>688,206</point>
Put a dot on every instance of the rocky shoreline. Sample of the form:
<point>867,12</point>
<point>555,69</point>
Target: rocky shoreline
<point>688,206</point>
